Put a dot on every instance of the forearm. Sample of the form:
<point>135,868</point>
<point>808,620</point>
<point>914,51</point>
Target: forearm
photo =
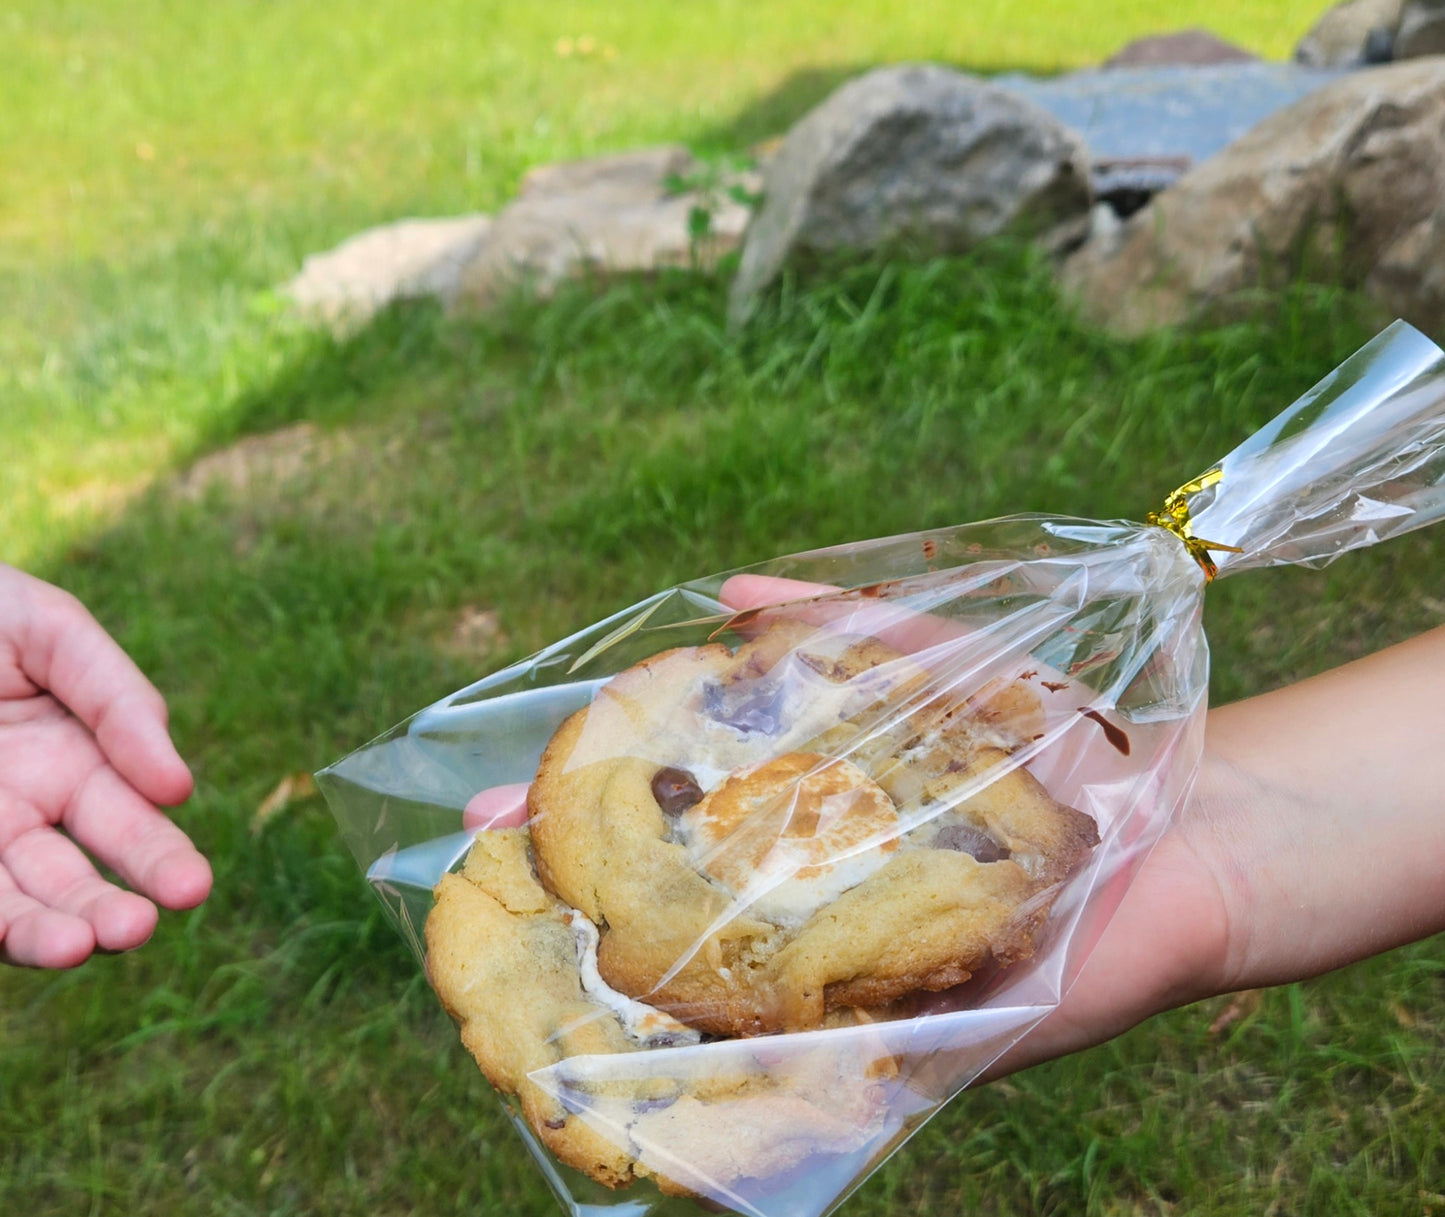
<point>1321,810</point>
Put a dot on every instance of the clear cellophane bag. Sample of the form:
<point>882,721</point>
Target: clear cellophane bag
<point>903,785</point>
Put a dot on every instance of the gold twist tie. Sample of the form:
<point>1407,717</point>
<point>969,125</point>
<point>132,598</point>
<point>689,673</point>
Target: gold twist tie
<point>1175,518</point>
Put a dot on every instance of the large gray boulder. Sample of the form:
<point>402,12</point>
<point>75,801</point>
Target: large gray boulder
<point>1348,183</point>
<point>1350,34</point>
<point>915,154</point>
<point>1422,29</point>
<point>635,211</point>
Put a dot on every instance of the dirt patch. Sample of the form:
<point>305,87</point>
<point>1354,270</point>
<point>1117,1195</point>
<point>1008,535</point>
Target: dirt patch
<point>275,457</point>
<point>336,478</point>
<point>475,631</point>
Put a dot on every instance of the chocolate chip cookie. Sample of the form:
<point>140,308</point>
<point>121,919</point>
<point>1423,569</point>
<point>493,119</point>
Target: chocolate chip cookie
<point>730,842</point>
<point>809,822</point>
<point>517,969</point>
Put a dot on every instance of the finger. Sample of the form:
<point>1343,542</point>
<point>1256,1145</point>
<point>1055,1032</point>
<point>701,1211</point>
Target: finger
<point>37,937</point>
<point>759,591</point>
<point>17,815</point>
<point>855,611</point>
<point>34,936</point>
<point>48,869</point>
<point>139,843</point>
<point>498,807</point>
<point>63,649</point>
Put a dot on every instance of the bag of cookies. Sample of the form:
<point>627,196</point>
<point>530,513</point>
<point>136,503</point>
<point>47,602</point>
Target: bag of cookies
<point>775,862</point>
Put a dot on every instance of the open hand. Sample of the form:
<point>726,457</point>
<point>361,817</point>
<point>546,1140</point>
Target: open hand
<point>85,758</point>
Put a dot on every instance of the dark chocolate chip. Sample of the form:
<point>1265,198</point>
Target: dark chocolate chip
<point>754,706</point>
<point>675,791</point>
<point>967,839</point>
<point>560,1122</point>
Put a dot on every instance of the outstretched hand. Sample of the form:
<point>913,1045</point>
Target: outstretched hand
<point>85,760</point>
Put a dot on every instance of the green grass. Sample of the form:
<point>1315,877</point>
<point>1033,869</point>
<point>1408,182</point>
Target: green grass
<point>276,1052</point>
<point>163,166</point>
<point>126,115</point>
<point>287,531</point>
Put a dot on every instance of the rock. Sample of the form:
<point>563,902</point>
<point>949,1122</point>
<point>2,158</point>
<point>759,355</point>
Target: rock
<point>1348,183</point>
<point>636,211</point>
<point>1422,29</point>
<point>1350,34</point>
<point>1187,48</point>
<point>346,286</point>
<point>641,171</point>
<point>1379,46</point>
<point>1144,127</point>
<point>915,154</point>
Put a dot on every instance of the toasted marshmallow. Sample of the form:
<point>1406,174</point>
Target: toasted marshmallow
<point>792,834</point>
<point>646,1024</point>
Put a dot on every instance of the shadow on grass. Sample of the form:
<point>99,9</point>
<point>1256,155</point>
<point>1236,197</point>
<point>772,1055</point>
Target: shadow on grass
<point>317,573</point>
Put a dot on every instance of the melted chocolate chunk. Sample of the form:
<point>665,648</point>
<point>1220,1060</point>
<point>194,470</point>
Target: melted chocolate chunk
<point>1115,735</point>
<point>675,791</point>
<point>967,839</point>
<point>751,707</point>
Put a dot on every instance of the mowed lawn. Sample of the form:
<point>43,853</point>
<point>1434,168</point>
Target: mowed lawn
<point>304,540</point>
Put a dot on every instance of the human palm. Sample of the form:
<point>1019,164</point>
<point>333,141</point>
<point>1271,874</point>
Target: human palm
<point>85,758</point>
